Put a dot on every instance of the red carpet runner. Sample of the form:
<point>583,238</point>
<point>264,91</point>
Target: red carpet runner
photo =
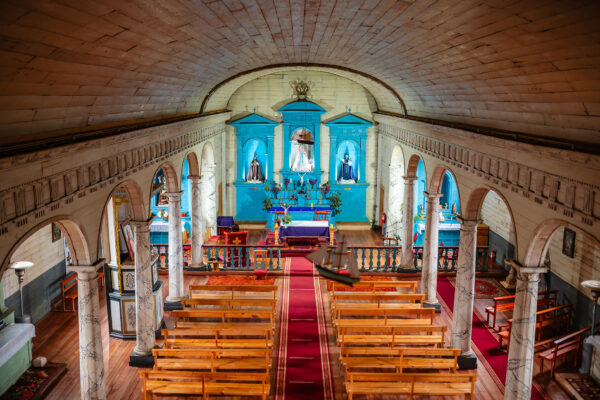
<point>485,342</point>
<point>304,369</point>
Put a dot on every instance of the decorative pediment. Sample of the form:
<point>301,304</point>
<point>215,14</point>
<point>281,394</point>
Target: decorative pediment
<point>254,119</point>
<point>302,106</point>
<point>348,120</point>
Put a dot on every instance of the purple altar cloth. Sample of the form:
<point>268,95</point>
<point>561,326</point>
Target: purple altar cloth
<point>305,229</point>
<point>225,221</point>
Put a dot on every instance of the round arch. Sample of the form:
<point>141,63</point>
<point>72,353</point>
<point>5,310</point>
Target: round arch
<point>387,98</point>
<point>472,210</point>
<point>171,181</point>
<point>437,179</point>
<point>74,234</point>
<point>193,164</point>
<point>208,154</point>
<point>395,197</point>
<point>413,165</point>
<point>538,245</point>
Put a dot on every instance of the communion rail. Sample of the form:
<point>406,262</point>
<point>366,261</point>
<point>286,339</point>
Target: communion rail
<point>369,258</point>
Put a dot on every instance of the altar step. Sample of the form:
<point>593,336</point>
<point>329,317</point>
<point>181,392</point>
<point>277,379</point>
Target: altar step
<point>246,225</point>
<point>353,226</point>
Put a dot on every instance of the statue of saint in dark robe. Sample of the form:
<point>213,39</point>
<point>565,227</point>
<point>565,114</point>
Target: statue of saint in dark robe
<point>254,171</point>
<point>346,173</point>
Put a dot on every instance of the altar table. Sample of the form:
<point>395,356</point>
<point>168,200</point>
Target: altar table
<point>304,229</point>
<point>299,213</point>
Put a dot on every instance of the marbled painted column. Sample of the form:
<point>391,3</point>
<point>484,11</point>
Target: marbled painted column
<point>394,218</point>
<point>209,196</point>
<point>175,248</point>
<point>408,221</point>
<point>144,301</point>
<point>197,232</point>
<point>519,371</point>
<point>91,362</point>
<point>464,293</point>
<point>430,251</point>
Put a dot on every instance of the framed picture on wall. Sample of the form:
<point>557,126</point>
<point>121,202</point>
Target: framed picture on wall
<point>568,248</point>
<point>127,230</point>
<point>55,232</point>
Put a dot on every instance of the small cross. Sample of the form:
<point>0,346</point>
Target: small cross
<point>254,110</point>
<point>237,241</point>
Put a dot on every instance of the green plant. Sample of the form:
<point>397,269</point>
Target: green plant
<point>267,204</point>
<point>335,201</point>
<point>286,219</point>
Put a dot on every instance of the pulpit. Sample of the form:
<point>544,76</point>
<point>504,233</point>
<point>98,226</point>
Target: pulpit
<point>236,256</point>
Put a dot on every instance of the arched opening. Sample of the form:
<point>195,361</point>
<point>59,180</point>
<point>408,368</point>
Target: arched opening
<point>416,167</point>
<point>51,246</point>
<point>572,256</point>
<point>496,237</point>
<point>395,201</point>
<point>444,182</point>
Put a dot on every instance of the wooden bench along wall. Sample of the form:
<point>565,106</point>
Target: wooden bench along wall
<point>570,343</point>
<point>204,383</point>
<point>445,384</point>
<point>507,304</point>
<point>68,289</point>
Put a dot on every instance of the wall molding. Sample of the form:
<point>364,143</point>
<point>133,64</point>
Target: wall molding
<point>566,196</point>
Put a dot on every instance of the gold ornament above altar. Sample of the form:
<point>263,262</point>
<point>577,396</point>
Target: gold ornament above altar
<point>301,88</point>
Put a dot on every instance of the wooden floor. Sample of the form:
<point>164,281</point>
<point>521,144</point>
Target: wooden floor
<point>57,340</point>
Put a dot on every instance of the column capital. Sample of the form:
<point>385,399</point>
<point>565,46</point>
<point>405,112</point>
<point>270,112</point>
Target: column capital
<point>432,196</point>
<point>409,178</point>
<point>194,178</point>
<point>173,196</point>
<point>468,223</point>
<point>86,272</point>
<point>526,274</point>
<point>141,226</point>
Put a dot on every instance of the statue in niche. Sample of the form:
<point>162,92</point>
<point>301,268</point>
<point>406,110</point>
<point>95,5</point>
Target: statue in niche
<point>254,171</point>
<point>302,151</point>
<point>346,173</point>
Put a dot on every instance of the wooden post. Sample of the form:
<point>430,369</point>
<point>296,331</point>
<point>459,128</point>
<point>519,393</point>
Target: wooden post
<point>276,234</point>
<point>331,235</point>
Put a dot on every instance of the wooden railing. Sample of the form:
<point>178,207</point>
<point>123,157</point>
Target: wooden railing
<point>369,258</point>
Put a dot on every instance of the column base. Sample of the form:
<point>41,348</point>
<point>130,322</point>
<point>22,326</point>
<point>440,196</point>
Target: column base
<point>198,267</point>
<point>144,361</point>
<point>437,306</point>
<point>173,305</point>
<point>467,362</point>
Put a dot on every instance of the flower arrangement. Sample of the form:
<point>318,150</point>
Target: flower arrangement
<point>335,201</point>
<point>286,182</point>
<point>275,190</point>
<point>164,214</point>
<point>286,219</point>
<point>267,204</point>
<point>312,182</point>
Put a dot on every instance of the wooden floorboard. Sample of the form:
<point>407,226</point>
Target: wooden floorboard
<point>57,340</point>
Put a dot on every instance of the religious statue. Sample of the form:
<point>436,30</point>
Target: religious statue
<point>302,161</point>
<point>254,171</point>
<point>346,174</point>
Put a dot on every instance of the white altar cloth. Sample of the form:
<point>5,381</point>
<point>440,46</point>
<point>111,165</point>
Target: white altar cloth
<point>12,339</point>
<point>309,223</point>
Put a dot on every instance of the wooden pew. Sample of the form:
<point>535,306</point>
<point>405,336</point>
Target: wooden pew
<point>507,303</point>
<point>68,292</point>
<point>375,286</point>
<point>446,384</point>
<point>401,314</point>
<point>357,358</point>
<point>231,304</point>
<point>570,343</point>
<point>213,360</point>
<point>550,317</point>
<point>233,291</point>
<point>204,383</point>
<point>343,299</point>
<point>225,316</point>
<point>392,336</point>
<point>246,338</point>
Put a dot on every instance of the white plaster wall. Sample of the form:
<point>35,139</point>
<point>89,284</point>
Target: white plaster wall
<point>335,94</point>
<point>585,263</point>
<point>496,215</point>
<point>40,250</point>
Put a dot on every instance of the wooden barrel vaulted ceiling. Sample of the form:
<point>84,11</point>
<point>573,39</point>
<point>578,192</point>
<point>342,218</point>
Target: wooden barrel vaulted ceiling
<point>531,67</point>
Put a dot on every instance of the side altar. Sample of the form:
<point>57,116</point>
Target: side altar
<point>254,165</point>
<point>347,169</point>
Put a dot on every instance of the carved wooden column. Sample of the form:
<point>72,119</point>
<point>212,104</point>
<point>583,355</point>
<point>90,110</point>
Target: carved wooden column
<point>197,231</point>
<point>175,252</point>
<point>91,360</point>
<point>144,299</point>
<point>464,294</point>
<point>519,371</point>
<point>408,221</point>
<point>430,252</point>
